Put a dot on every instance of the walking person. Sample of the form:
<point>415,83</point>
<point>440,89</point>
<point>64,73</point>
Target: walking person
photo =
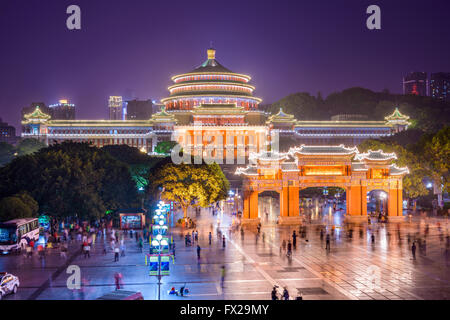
<point>289,249</point>
<point>285,294</point>
<point>294,239</point>
<point>122,248</point>
<point>86,250</point>
<point>118,279</point>
<point>327,244</point>
<point>29,251</point>
<point>222,276</point>
<point>223,241</point>
<point>413,250</point>
<point>198,251</point>
<point>116,254</point>
<point>210,238</point>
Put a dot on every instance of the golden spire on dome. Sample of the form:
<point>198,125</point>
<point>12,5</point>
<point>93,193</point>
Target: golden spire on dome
<point>211,53</point>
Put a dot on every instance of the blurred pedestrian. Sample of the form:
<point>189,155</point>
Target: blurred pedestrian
<point>413,250</point>
<point>118,280</point>
<point>222,276</point>
<point>223,241</point>
<point>198,251</point>
<point>285,294</point>
<point>116,254</point>
<point>294,239</point>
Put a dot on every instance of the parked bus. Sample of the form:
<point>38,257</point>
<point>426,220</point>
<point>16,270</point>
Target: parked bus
<point>16,234</point>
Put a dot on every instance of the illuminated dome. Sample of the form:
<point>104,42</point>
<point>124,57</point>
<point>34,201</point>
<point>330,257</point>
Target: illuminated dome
<point>210,83</point>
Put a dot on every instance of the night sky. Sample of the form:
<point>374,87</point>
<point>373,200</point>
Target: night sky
<point>137,45</point>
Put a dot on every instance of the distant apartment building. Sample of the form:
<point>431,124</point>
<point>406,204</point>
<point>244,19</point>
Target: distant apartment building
<point>63,110</point>
<point>139,109</point>
<point>440,86</point>
<point>115,106</point>
<point>415,83</point>
<point>7,133</point>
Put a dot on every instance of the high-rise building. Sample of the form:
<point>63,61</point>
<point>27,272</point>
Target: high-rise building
<point>440,86</point>
<point>415,83</point>
<point>7,133</point>
<point>139,109</point>
<point>63,110</point>
<point>115,106</point>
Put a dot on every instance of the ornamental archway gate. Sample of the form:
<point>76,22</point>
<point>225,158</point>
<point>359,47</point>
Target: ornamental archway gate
<point>321,166</point>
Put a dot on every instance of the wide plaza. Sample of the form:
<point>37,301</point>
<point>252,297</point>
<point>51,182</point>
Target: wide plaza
<point>354,268</point>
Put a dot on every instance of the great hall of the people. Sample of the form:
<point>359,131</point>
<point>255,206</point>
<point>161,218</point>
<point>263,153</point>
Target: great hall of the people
<point>213,107</point>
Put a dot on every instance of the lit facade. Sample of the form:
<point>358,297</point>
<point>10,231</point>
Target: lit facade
<point>210,110</point>
<point>115,106</point>
<point>415,83</point>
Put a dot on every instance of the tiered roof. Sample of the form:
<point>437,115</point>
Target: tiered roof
<point>324,150</point>
<point>216,109</point>
<point>37,116</point>
<point>397,117</point>
<point>284,161</point>
<point>163,116</point>
<point>281,117</point>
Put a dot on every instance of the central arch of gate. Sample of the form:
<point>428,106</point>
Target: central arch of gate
<point>321,166</point>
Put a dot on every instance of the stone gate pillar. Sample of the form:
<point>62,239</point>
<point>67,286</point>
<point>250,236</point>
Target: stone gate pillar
<point>357,200</point>
<point>289,203</point>
<point>395,199</point>
<point>250,214</point>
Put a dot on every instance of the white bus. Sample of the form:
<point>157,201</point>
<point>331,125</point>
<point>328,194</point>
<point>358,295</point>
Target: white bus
<point>16,234</point>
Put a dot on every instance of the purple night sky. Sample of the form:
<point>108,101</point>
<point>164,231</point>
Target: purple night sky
<point>137,45</point>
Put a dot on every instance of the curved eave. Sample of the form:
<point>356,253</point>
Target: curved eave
<point>211,73</point>
<point>212,82</point>
<point>210,95</point>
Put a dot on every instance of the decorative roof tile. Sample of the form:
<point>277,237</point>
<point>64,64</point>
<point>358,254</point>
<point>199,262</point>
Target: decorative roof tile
<point>250,170</point>
<point>323,150</point>
<point>396,171</point>
<point>397,117</point>
<point>378,155</point>
<point>36,116</point>
<point>281,117</point>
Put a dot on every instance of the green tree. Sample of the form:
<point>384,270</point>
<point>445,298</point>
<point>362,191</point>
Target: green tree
<point>18,206</point>
<point>6,153</point>
<point>302,105</point>
<point>435,155</point>
<point>29,146</point>
<point>191,184</point>
<point>413,185</point>
<point>165,147</point>
<point>71,179</point>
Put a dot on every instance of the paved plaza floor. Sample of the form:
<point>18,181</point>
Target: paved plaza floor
<point>354,268</point>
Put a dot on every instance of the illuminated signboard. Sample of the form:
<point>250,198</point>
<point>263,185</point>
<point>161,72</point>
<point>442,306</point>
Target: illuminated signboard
<point>154,262</point>
<point>132,221</point>
<point>165,265</point>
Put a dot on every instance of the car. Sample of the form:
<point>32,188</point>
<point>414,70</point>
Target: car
<point>8,284</point>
